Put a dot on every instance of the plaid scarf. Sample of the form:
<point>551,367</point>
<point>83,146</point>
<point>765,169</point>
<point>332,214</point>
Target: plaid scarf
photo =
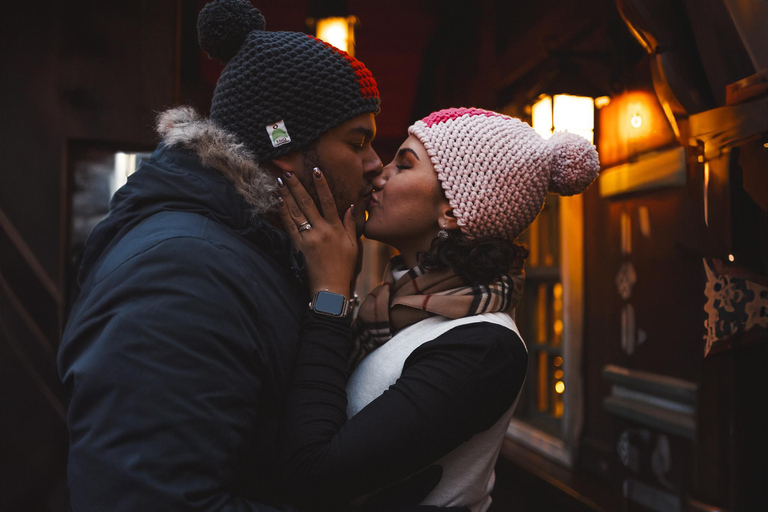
<point>418,294</point>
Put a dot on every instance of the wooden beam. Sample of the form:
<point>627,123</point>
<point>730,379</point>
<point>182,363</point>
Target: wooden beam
<point>48,394</point>
<point>38,334</point>
<point>29,256</point>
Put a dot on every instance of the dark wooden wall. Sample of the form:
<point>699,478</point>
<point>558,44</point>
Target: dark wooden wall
<point>77,70</point>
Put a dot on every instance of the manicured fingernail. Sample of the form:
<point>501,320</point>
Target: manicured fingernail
<point>317,173</point>
<point>280,202</point>
<point>352,209</point>
<point>288,175</point>
<point>280,183</point>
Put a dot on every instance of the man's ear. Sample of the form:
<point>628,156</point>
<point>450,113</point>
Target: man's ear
<point>292,162</point>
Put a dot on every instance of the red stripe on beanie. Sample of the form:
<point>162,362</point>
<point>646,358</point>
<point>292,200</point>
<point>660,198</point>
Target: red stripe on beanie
<point>365,80</point>
<point>453,113</point>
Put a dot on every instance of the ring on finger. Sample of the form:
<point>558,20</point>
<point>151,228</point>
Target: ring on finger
<point>304,226</point>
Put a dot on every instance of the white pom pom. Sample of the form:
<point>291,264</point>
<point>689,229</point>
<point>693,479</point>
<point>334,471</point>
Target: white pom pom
<point>575,164</point>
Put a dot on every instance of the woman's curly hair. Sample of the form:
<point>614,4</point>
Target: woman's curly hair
<point>479,260</point>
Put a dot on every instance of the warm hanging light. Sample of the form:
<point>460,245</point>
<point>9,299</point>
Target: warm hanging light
<point>564,112</point>
<point>632,123</point>
<point>338,31</point>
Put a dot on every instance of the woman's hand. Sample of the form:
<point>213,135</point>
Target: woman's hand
<point>329,245</point>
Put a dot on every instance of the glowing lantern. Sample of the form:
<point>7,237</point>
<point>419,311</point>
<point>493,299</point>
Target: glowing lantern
<point>631,124</point>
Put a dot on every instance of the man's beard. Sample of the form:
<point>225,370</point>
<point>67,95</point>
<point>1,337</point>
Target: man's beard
<point>311,159</point>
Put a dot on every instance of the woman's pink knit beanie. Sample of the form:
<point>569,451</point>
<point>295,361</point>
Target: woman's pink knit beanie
<point>496,170</point>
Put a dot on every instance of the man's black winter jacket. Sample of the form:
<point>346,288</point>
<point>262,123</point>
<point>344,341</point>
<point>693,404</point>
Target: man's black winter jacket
<point>179,347</point>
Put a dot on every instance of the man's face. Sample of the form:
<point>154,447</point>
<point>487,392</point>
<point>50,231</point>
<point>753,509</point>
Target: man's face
<point>350,164</point>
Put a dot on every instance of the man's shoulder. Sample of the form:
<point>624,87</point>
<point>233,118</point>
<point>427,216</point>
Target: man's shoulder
<point>173,225</point>
<point>179,239</point>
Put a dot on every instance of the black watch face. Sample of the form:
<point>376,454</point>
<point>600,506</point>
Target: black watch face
<point>331,303</point>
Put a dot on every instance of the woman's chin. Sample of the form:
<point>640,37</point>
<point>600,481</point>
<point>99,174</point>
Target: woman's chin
<point>370,232</point>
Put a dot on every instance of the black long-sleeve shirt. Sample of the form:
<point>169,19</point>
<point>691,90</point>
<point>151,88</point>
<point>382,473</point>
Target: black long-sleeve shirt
<point>451,388</point>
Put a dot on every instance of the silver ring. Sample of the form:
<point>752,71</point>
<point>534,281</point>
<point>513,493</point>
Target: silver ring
<point>304,226</point>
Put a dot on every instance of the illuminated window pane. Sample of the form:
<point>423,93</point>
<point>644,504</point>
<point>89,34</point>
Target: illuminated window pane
<point>541,314</point>
<point>541,116</point>
<point>540,317</point>
<point>574,114</point>
<point>337,31</point>
<point>557,313</point>
<point>542,398</point>
<point>557,399</point>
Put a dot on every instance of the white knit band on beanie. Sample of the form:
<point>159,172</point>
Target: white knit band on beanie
<point>496,170</point>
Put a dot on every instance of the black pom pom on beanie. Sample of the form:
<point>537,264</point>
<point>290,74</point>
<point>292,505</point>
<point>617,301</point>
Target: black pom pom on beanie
<point>223,25</point>
<point>279,91</point>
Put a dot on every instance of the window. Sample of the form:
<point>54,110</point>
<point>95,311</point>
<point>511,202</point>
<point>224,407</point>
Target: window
<point>550,319</point>
<point>548,418</point>
<point>94,172</point>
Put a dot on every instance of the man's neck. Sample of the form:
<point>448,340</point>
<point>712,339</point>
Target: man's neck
<point>273,217</point>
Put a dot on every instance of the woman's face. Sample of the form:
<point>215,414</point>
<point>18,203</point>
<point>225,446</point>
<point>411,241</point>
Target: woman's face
<point>407,208</point>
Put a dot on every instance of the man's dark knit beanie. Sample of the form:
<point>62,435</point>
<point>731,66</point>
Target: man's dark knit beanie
<point>279,91</point>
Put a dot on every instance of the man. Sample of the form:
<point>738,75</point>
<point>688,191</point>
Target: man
<point>180,345</point>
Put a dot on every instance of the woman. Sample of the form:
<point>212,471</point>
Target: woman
<point>441,362</point>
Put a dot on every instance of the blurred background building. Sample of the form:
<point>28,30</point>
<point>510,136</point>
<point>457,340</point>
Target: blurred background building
<point>646,304</point>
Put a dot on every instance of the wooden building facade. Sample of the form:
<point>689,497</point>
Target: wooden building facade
<point>646,308</point>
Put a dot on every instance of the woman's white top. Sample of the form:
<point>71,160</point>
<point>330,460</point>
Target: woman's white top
<point>468,474</point>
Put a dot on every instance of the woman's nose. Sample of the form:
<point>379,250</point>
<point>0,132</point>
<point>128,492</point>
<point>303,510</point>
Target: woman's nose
<point>382,178</point>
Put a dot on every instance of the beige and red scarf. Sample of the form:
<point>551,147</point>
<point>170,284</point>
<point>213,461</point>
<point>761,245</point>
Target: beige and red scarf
<point>408,296</point>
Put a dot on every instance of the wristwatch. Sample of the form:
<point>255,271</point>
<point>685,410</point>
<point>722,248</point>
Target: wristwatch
<point>330,304</point>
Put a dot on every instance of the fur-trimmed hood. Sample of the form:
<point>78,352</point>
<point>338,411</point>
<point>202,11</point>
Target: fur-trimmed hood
<point>197,168</point>
<point>184,127</point>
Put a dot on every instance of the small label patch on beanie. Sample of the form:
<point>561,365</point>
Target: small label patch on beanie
<point>278,134</point>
